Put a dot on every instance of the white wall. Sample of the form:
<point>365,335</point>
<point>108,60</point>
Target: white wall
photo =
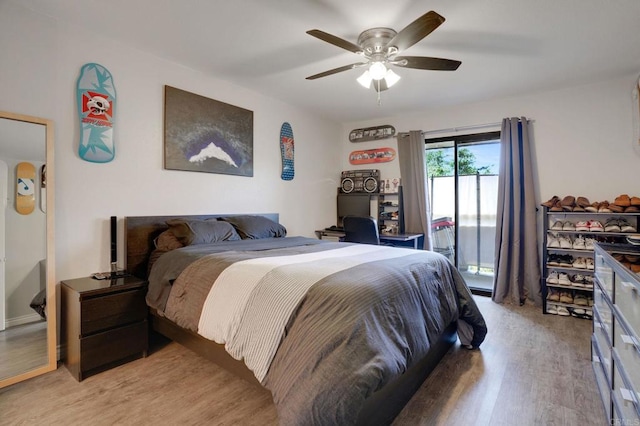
<point>41,61</point>
<point>582,137</point>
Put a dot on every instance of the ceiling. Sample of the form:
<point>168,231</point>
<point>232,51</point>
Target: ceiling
<point>507,47</point>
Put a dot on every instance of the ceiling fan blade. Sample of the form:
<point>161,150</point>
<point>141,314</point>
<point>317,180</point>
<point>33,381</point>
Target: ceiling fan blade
<point>336,41</point>
<point>416,31</point>
<point>426,63</point>
<point>337,70</point>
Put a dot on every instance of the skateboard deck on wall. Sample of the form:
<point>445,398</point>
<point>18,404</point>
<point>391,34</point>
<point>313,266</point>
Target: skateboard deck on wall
<point>286,151</point>
<point>370,156</point>
<point>96,97</point>
<point>25,188</point>
<point>372,133</point>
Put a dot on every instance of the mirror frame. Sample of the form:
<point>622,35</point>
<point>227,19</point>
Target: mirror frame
<point>52,299</point>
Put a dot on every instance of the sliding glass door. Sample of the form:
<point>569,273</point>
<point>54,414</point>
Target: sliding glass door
<point>462,175</point>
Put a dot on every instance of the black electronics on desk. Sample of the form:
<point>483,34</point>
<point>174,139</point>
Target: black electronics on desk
<point>360,181</point>
<point>353,205</point>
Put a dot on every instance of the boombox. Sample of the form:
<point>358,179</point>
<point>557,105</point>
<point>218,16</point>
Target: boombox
<point>359,181</point>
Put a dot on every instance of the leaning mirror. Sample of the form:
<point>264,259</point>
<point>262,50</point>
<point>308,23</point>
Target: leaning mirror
<point>27,279</point>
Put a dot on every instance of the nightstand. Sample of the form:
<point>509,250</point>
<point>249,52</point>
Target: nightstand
<point>104,323</point>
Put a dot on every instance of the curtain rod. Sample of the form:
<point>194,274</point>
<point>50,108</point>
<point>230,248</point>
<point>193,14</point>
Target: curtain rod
<point>457,129</point>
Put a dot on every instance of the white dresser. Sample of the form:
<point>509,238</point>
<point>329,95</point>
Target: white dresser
<point>615,343</point>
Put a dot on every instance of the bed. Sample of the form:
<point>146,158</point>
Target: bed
<point>339,333</point>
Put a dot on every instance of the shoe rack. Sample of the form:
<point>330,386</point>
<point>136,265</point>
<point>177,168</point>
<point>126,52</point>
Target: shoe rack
<point>390,210</point>
<point>570,233</point>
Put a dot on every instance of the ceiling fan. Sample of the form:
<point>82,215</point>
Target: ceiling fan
<point>380,46</point>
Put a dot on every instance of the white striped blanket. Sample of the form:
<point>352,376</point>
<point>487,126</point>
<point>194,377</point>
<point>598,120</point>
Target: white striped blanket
<point>251,301</point>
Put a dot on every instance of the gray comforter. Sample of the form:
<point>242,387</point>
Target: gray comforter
<point>355,330</point>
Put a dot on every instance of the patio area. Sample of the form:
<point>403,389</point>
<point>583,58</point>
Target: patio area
<point>479,281</point>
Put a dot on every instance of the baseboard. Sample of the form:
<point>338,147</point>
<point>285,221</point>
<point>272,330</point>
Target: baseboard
<point>25,319</point>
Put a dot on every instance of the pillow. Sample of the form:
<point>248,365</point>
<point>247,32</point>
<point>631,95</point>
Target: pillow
<point>255,227</point>
<point>167,241</point>
<point>191,232</point>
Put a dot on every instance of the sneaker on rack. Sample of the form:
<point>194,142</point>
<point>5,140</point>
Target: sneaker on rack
<point>563,279</point>
<point>557,226</point>
<point>565,242</point>
<point>565,260</point>
<point>582,225</point>
<point>562,311</point>
<point>593,207</point>
<point>580,299</point>
<point>589,263</point>
<point>554,295</point>
<point>552,278</point>
<point>580,263</point>
<point>625,226</point>
<point>577,280</point>
<point>611,225</point>
<point>566,297</point>
<point>588,281</point>
<point>579,243</point>
<point>552,309</point>
<point>595,226</point>
<point>552,260</point>
<point>553,241</point>
<point>604,207</point>
<point>568,226</point>
<point>589,243</point>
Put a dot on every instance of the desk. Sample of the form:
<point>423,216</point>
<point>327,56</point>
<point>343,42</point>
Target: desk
<point>400,240</point>
<point>404,240</point>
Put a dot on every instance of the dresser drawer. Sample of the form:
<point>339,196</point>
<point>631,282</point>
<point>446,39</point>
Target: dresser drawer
<point>627,348</point>
<point>603,340</point>
<point>622,414</point>
<point>113,310</point>
<point>601,371</point>
<point>625,397</point>
<point>628,298</point>
<point>604,274</point>
<point>601,304</point>
<point>113,345</point>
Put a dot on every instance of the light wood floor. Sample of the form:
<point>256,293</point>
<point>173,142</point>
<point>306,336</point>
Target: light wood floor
<point>533,369</point>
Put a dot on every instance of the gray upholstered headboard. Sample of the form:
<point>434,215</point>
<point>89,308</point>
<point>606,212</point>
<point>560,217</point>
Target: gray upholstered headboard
<point>141,231</point>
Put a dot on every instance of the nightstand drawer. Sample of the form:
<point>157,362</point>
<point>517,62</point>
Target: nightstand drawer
<point>113,345</point>
<point>113,310</point>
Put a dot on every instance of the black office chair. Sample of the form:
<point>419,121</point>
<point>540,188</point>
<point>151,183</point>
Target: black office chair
<point>363,230</point>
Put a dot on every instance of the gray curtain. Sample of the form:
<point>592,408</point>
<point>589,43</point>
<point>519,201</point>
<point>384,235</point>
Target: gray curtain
<point>413,173</point>
<point>517,266</point>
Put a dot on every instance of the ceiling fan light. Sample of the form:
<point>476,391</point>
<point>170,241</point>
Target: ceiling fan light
<point>365,80</point>
<point>391,78</point>
<point>377,70</point>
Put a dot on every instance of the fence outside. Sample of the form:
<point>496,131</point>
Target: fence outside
<point>477,203</point>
